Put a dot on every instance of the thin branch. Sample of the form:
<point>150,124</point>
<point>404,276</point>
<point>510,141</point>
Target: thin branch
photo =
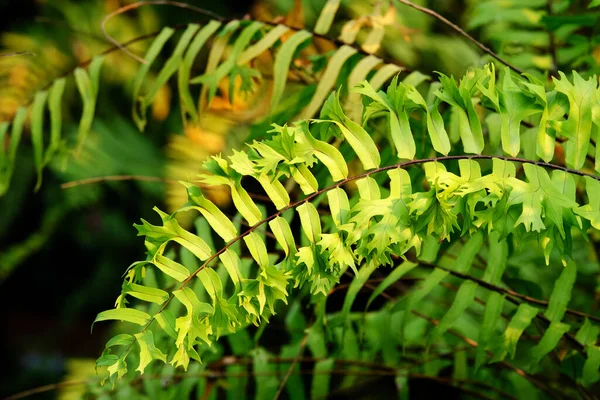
<point>18,53</point>
<point>376,370</point>
<point>460,31</point>
<point>113,178</point>
<point>47,388</point>
<point>292,366</point>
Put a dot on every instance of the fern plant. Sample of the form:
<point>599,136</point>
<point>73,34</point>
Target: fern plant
<point>405,191</point>
<point>386,222</point>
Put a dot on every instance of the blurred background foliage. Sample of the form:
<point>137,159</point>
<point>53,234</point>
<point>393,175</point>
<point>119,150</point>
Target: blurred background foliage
<point>66,248</point>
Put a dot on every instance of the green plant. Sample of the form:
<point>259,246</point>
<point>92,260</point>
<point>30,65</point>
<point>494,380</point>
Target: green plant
<point>409,193</point>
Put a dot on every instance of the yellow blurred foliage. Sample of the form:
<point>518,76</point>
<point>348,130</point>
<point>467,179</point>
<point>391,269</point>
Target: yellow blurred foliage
<point>77,369</point>
<point>186,154</point>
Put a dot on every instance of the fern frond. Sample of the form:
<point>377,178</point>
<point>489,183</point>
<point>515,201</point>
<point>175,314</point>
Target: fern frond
<point>383,221</point>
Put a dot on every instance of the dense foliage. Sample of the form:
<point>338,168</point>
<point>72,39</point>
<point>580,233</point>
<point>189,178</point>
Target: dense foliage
<point>373,222</point>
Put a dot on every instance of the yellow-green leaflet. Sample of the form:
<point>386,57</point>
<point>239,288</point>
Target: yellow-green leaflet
<point>148,351</point>
<point>54,106</point>
<point>400,185</point>
<point>361,143</point>
<point>232,264</point>
<point>245,205</point>
<point>368,188</point>
<point>275,190</point>
<point>328,155</point>
<point>166,320</point>
<point>257,248</point>
<point>171,268</point>
<point>122,339</point>
<point>191,326</point>
<point>435,123</point>
<point>578,127</point>
<point>305,179</point>
<point>215,217</point>
<point>263,44</point>
<point>150,56</point>
<point>84,85</point>
<point>545,142</point>
<point>123,314</point>
<point>327,81</point>
<point>37,127</point>
<point>311,223</point>
<point>185,67</point>
<point>400,130</point>
<point>339,206</point>
<point>146,293</point>
<point>211,282</point>
<point>281,66</point>
<point>326,17</point>
<point>283,233</point>
<point>591,211</point>
<point>193,243</point>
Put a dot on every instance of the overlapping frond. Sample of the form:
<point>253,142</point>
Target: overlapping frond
<point>234,47</point>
